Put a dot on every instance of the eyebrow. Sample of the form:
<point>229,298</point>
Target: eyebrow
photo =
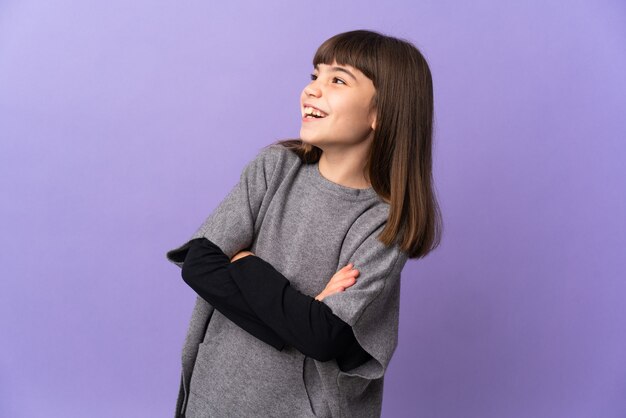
<point>341,69</point>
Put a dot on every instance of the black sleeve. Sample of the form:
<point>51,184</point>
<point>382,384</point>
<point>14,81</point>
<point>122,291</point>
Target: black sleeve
<point>204,271</point>
<point>259,299</point>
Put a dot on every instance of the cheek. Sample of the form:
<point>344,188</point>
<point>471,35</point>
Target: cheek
<point>358,114</point>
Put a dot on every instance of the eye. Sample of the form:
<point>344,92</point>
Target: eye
<point>314,77</point>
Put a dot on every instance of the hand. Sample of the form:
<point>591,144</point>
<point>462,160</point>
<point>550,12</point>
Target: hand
<point>343,279</point>
<point>241,254</point>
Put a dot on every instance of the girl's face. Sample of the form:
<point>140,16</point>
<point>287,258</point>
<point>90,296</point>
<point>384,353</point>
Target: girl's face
<point>344,95</point>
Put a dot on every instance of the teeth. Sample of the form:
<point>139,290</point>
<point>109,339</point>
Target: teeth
<point>311,111</point>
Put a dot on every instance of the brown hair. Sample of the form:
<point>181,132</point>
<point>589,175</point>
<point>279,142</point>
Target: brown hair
<point>399,164</point>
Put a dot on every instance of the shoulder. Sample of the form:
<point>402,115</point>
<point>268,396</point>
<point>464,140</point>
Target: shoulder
<point>280,153</point>
<point>267,161</point>
<point>373,219</point>
<point>274,155</point>
<point>362,237</point>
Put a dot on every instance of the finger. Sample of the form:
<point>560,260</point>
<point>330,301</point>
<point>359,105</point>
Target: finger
<point>349,274</point>
<point>342,285</point>
<point>338,278</point>
<point>348,282</point>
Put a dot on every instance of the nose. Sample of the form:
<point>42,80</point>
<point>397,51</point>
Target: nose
<point>311,89</point>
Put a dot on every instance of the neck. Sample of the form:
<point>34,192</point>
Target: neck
<point>346,168</point>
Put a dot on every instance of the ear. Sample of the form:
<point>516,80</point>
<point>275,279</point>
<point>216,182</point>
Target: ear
<point>374,121</point>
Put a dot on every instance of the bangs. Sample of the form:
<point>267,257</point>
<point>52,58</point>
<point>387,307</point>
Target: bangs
<point>356,49</point>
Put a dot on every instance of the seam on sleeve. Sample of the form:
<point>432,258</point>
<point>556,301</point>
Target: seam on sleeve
<point>387,275</point>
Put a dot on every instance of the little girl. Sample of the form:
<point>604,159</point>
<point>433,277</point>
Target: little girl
<point>351,199</point>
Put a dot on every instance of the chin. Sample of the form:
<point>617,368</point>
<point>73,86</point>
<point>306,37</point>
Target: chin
<point>306,138</point>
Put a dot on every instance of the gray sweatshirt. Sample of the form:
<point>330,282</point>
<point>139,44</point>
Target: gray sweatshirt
<point>307,227</point>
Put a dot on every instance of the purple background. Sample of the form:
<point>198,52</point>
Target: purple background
<point>123,124</point>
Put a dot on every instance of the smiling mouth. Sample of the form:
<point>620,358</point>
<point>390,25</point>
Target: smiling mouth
<point>312,113</point>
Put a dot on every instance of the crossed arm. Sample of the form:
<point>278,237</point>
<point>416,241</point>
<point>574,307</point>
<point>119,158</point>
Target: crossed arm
<point>255,296</point>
